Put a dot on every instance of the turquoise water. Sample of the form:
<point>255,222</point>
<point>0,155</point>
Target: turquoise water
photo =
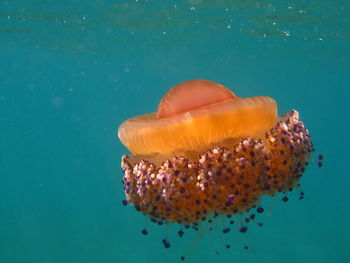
<point>72,71</point>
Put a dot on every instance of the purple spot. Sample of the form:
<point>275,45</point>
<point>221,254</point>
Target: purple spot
<point>166,245</point>
<point>226,230</point>
<point>231,197</point>
<point>243,229</point>
<point>228,203</point>
<point>267,187</point>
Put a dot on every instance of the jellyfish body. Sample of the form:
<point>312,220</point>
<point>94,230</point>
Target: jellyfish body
<point>206,150</point>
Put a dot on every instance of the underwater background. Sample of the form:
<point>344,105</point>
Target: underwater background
<point>72,71</point>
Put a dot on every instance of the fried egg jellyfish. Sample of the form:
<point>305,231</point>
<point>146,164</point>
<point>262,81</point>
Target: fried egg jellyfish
<point>207,152</point>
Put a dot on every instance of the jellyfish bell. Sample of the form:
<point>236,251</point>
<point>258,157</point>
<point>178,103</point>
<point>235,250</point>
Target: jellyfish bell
<point>194,116</point>
<point>192,94</point>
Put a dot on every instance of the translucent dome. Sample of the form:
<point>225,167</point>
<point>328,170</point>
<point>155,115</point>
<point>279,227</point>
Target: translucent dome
<point>196,115</point>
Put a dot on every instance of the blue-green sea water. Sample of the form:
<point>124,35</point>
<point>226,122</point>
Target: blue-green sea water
<point>72,71</point>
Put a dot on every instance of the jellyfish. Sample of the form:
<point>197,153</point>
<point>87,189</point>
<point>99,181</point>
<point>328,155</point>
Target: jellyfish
<point>207,152</point>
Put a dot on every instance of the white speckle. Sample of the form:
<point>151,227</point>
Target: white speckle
<point>229,27</point>
<point>286,33</point>
<point>70,89</point>
<point>8,17</point>
<point>84,18</point>
<point>192,8</point>
<point>284,126</point>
